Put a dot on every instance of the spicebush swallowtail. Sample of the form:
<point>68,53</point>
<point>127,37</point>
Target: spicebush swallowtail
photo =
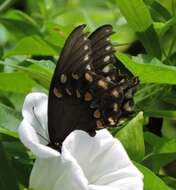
<point>88,92</point>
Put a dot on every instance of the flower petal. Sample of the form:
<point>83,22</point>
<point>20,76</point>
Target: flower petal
<point>110,164</point>
<point>57,173</point>
<point>29,138</point>
<point>35,111</point>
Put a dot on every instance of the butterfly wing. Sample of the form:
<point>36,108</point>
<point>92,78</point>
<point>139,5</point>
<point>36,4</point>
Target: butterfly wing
<point>66,112</point>
<point>83,96</point>
<point>105,64</point>
<point>102,49</point>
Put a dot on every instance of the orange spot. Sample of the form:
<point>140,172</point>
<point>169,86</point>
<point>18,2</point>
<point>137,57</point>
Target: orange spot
<point>88,77</point>
<point>103,84</point>
<point>57,93</point>
<point>87,96</point>
<point>99,124</point>
<point>97,114</point>
<point>115,93</point>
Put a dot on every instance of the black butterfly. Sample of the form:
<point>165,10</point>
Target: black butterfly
<point>86,93</point>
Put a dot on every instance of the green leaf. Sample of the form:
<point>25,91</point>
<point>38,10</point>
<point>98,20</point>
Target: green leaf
<point>16,82</point>
<point>170,181</point>
<point>151,181</point>
<point>136,13</point>
<point>33,45</point>
<point>152,71</point>
<point>38,73</point>
<point>139,18</point>
<point>131,137</point>
<point>160,10</point>
<point>8,178</point>
<point>161,145</point>
<point>164,151</point>
<point>150,41</point>
<point>19,28</point>
<point>160,113</point>
<point>9,118</point>
<point>167,25</point>
<point>10,132</point>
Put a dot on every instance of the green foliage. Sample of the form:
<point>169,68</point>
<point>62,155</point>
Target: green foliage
<point>132,138</point>
<point>32,34</point>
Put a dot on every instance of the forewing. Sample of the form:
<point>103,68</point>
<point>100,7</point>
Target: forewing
<point>64,108</point>
<point>102,49</point>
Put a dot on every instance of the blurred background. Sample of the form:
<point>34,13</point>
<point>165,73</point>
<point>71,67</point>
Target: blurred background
<point>32,33</point>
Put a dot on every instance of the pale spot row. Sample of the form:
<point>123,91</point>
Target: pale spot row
<point>86,57</point>
<point>63,78</point>
<point>102,84</point>
<point>107,58</point>
<point>57,93</point>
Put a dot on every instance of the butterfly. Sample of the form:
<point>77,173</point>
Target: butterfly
<point>87,91</point>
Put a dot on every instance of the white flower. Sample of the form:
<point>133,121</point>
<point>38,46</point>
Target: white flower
<point>86,163</point>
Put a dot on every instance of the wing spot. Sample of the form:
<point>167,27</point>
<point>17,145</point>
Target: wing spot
<point>63,78</point>
<point>108,48</point>
<point>107,58</point>
<point>99,124</point>
<point>106,69</point>
<point>103,84</point>
<point>78,95</point>
<point>108,79</point>
<point>68,91</point>
<point>129,93</point>
<point>115,107</point>
<point>57,93</point>
<point>97,114</point>
<point>88,77</point>
<point>86,57</point>
<point>122,81</point>
<point>75,76</point>
<point>88,97</point>
<point>86,47</point>
<point>88,67</point>
<point>111,121</point>
<point>128,107</point>
<point>115,93</point>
